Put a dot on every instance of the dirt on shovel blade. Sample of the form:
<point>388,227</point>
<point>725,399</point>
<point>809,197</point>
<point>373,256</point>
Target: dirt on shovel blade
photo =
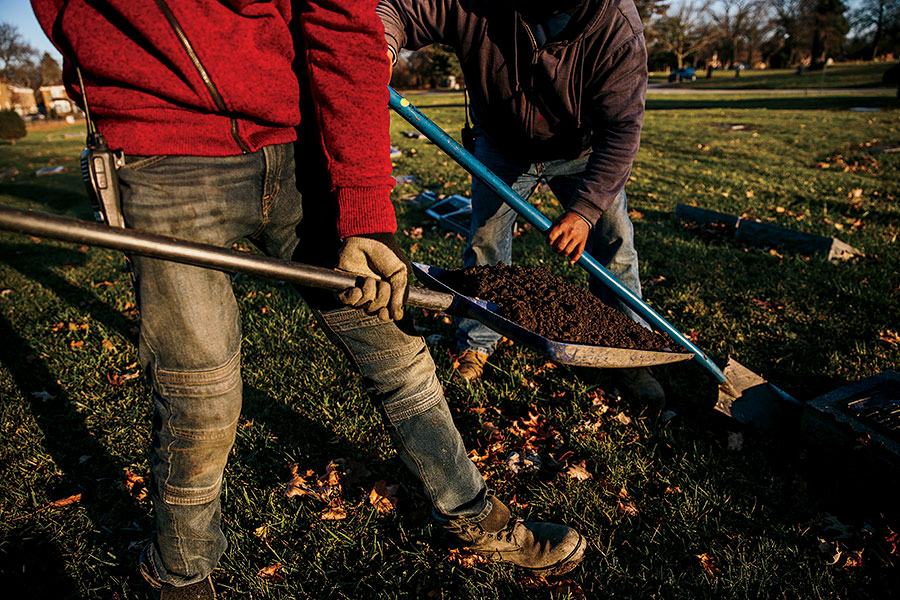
<point>553,308</point>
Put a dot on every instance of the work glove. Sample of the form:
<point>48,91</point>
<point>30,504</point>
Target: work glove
<point>377,258</point>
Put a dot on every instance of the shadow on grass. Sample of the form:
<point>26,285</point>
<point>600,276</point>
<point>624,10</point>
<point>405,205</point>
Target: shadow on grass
<point>36,261</point>
<point>67,438</point>
<point>786,102</point>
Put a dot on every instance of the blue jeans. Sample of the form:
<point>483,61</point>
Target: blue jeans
<point>190,350</point>
<point>611,240</point>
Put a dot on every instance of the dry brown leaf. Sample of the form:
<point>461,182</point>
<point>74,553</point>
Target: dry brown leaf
<point>627,508</point>
<point>108,346</point>
<point>578,471</point>
<point>76,344</point>
<point>262,532</point>
<point>383,497</point>
<point>464,559</point>
<point>623,418</point>
<point>116,379</point>
<point>297,486</point>
<point>709,565</point>
<point>66,501</point>
<point>891,337</point>
<point>135,485</point>
<point>272,573</point>
<point>334,512</point>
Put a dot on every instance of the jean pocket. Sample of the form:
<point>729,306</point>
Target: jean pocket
<point>136,163</point>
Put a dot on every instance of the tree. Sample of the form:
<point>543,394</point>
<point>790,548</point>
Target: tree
<point>49,70</point>
<point>830,29</point>
<point>15,54</point>
<point>651,9</point>
<point>879,20</point>
<point>732,20</point>
<point>684,32</point>
<point>792,27</point>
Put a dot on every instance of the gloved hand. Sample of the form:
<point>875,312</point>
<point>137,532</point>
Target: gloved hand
<point>378,258</point>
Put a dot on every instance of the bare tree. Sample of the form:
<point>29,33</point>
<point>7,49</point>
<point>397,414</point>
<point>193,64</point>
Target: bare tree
<point>15,54</point>
<point>878,19</point>
<point>732,20</point>
<point>684,30</point>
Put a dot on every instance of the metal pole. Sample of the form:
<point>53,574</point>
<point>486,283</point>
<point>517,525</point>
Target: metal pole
<point>191,253</point>
<point>449,145</point>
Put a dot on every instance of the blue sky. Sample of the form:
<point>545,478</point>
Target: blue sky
<point>19,13</point>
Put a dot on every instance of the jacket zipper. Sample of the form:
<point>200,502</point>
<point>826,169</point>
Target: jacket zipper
<point>534,61</point>
<point>204,75</point>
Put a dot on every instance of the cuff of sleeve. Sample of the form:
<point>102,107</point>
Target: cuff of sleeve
<point>586,210</point>
<point>364,210</point>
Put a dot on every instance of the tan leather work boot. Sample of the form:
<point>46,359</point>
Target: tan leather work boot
<point>471,364</point>
<point>640,385</point>
<point>543,548</point>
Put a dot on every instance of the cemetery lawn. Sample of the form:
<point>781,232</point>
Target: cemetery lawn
<point>839,75</point>
<point>684,507</point>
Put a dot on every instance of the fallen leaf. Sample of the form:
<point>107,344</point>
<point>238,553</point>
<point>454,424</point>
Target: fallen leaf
<point>117,379</point>
<point>66,501</point>
<point>383,497</point>
<point>5,293</point>
<point>334,512</point>
<point>108,346</point>
<point>272,573</point>
<point>262,532</point>
<point>708,565</point>
<point>135,485</point>
<point>891,337</point>
<point>578,471</point>
<point>464,559</point>
<point>76,344</point>
<point>623,418</point>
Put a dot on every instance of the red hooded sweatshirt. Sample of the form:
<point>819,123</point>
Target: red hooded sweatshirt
<point>214,78</point>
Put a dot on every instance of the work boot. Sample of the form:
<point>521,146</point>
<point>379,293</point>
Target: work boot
<point>640,386</point>
<point>544,548</point>
<point>471,364</point>
<point>202,590</point>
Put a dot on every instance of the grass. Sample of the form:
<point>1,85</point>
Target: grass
<point>680,509</point>
<point>840,75</point>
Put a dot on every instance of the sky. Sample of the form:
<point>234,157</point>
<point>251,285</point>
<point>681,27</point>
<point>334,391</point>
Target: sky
<point>19,13</point>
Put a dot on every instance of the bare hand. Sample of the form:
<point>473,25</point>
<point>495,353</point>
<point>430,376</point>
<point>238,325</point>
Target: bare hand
<point>569,236</point>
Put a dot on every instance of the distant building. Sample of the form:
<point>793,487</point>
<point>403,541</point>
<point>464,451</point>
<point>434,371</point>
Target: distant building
<point>17,98</point>
<point>56,101</point>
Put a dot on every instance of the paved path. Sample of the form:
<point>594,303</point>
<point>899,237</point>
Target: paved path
<point>674,88</point>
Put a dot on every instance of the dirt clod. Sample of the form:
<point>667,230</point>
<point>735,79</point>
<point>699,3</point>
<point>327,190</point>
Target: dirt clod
<point>553,308</point>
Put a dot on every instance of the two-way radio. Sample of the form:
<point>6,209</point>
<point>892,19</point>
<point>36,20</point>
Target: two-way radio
<point>99,166</point>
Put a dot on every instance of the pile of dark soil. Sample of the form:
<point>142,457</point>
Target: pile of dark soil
<point>548,306</point>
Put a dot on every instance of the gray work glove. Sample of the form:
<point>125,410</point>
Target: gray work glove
<point>377,258</point>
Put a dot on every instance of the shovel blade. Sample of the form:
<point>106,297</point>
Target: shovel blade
<point>751,400</point>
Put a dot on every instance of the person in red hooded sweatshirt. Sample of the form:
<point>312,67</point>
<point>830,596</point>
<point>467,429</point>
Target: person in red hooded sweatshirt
<point>203,101</point>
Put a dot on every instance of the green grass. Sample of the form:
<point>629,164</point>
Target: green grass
<point>758,512</point>
<point>840,75</point>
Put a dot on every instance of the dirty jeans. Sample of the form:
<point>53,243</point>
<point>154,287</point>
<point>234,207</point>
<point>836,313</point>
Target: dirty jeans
<point>190,350</point>
<point>611,240</point>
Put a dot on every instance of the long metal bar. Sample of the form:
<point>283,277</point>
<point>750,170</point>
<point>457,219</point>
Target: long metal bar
<point>191,253</point>
<point>449,145</point>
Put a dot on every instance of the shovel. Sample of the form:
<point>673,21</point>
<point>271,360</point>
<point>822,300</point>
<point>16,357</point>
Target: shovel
<point>742,394</point>
<point>213,257</point>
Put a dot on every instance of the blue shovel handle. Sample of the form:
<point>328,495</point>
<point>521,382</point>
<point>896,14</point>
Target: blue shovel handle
<point>449,145</point>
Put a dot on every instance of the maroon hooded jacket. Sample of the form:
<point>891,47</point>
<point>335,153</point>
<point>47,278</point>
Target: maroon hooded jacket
<point>214,78</point>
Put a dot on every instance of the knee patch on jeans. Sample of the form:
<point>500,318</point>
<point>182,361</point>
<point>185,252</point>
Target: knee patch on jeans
<point>198,430</point>
<point>414,404</point>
